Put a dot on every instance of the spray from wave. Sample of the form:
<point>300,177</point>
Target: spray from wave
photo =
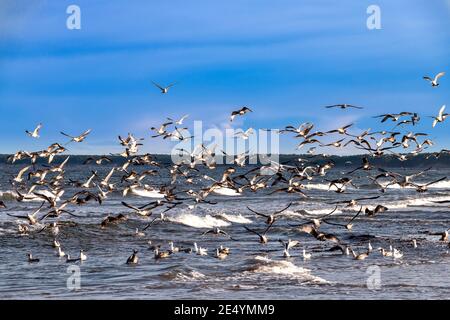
<point>265,265</point>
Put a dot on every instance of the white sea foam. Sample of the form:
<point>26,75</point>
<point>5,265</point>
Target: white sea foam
<point>189,276</point>
<point>307,212</point>
<point>325,187</point>
<point>197,221</point>
<point>147,193</point>
<point>284,267</point>
<point>439,185</point>
<point>424,202</point>
<point>29,197</point>
<point>226,192</point>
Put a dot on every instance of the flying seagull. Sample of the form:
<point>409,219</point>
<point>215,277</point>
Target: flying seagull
<point>239,112</point>
<point>79,138</point>
<point>35,132</point>
<point>343,106</point>
<point>164,90</point>
<point>440,117</point>
<point>434,82</point>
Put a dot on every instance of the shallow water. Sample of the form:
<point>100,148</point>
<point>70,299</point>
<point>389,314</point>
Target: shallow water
<point>252,271</point>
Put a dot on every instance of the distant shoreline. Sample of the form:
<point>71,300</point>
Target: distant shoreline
<point>348,161</point>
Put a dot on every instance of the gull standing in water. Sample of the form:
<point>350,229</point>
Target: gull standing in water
<point>70,260</point>
<point>360,256</point>
<point>60,253</point>
<point>133,259</point>
<point>31,259</point>
<point>199,250</point>
<point>443,235</point>
<point>220,254</point>
<point>83,256</point>
<point>306,256</point>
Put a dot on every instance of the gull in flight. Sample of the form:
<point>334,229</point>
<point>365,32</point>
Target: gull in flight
<point>179,122</point>
<point>440,117</point>
<point>19,177</point>
<point>79,138</point>
<point>343,106</point>
<point>164,90</point>
<point>245,134</point>
<point>239,112</point>
<point>35,132</point>
<point>434,82</point>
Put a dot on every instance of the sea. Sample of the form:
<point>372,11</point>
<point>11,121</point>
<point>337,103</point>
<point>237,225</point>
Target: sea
<point>251,270</point>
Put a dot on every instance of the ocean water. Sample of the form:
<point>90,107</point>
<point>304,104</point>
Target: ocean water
<point>252,270</point>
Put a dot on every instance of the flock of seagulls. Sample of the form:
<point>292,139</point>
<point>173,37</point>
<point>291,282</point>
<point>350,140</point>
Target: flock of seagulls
<point>47,184</point>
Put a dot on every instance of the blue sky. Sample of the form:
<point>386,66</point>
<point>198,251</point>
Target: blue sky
<point>285,59</point>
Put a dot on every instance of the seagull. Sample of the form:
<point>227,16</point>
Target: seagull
<point>161,254</point>
<point>343,106</point>
<point>220,254</point>
<point>245,134</point>
<point>239,112</point>
<point>378,209</point>
<point>83,256</point>
<point>386,253</point>
<point>142,212</point>
<point>199,250</point>
<point>35,132</point>
<point>443,235</point>
<point>360,256</point>
<point>56,244</point>
<point>164,90</point>
<point>79,138</point>
<point>262,237</point>
<point>424,187</point>
<point>179,122</point>
<point>354,202</point>
<point>31,259</point>
<point>349,225</point>
<point>60,253</point>
<point>30,217</point>
<point>287,246</point>
<point>133,259</point>
<point>19,178</point>
<point>69,260</point>
<point>397,254</point>
<point>138,233</point>
<point>434,82</point>
<point>217,231</point>
<point>270,217</point>
<point>306,256</point>
<point>342,130</point>
<point>440,117</point>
